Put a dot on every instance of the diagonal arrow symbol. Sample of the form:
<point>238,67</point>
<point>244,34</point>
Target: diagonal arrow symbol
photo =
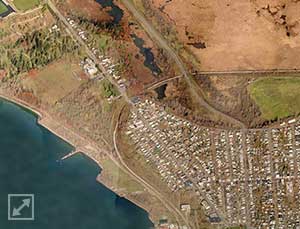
<point>26,203</point>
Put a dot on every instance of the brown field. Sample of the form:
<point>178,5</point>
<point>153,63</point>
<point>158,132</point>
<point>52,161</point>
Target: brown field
<point>123,47</point>
<point>55,81</point>
<point>88,8</point>
<point>235,35</point>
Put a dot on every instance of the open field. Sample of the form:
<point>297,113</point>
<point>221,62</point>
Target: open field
<point>26,4</point>
<point>55,81</point>
<point>234,35</point>
<point>3,8</point>
<point>119,180</point>
<point>89,9</point>
<point>276,97</point>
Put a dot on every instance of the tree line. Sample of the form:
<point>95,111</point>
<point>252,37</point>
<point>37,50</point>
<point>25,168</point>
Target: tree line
<point>35,50</point>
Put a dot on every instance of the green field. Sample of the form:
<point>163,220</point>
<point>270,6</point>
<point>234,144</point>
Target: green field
<point>276,97</point>
<point>3,8</point>
<point>26,4</point>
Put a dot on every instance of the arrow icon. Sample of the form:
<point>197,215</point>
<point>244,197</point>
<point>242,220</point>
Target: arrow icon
<point>26,203</point>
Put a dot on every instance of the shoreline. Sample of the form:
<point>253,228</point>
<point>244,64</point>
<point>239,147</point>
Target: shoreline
<point>41,116</point>
<point>44,120</point>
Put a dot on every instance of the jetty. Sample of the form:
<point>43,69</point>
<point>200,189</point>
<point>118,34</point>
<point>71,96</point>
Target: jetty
<point>71,154</point>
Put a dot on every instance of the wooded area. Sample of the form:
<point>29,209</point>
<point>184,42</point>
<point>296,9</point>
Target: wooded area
<point>35,50</point>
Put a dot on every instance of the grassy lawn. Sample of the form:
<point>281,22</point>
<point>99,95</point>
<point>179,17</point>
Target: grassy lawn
<point>26,4</point>
<point>276,97</point>
<point>3,8</point>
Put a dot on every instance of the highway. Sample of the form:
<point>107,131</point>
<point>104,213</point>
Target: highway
<point>155,35</point>
<point>195,89</point>
<point>87,49</point>
<point>170,206</point>
<point>208,200</point>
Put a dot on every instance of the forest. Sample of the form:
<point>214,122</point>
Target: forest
<point>35,50</point>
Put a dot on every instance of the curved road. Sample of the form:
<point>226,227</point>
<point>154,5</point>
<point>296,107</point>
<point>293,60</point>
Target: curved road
<point>167,204</point>
<point>152,189</point>
<point>173,209</point>
<point>195,89</point>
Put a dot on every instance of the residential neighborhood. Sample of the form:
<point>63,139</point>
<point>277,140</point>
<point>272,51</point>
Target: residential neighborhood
<point>244,177</point>
<point>136,114</point>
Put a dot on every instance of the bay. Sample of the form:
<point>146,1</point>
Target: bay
<point>67,195</point>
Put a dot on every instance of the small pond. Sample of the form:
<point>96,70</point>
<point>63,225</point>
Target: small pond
<point>147,53</point>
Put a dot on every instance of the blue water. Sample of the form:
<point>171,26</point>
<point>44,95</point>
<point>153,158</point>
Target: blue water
<point>148,55</point>
<point>116,12</point>
<point>67,195</point>
<point>160,91</point>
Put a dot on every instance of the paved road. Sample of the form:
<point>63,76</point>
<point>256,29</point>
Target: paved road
<point>153,33</point>
<point>195,89</point>
<point>203,194</point>
<point>87,49</point>
<point>156,193</point>
<point>170,206</point>
<point>273,174</point>
<point>160,197</point>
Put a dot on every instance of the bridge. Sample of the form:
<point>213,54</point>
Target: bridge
<point>159,83</point>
